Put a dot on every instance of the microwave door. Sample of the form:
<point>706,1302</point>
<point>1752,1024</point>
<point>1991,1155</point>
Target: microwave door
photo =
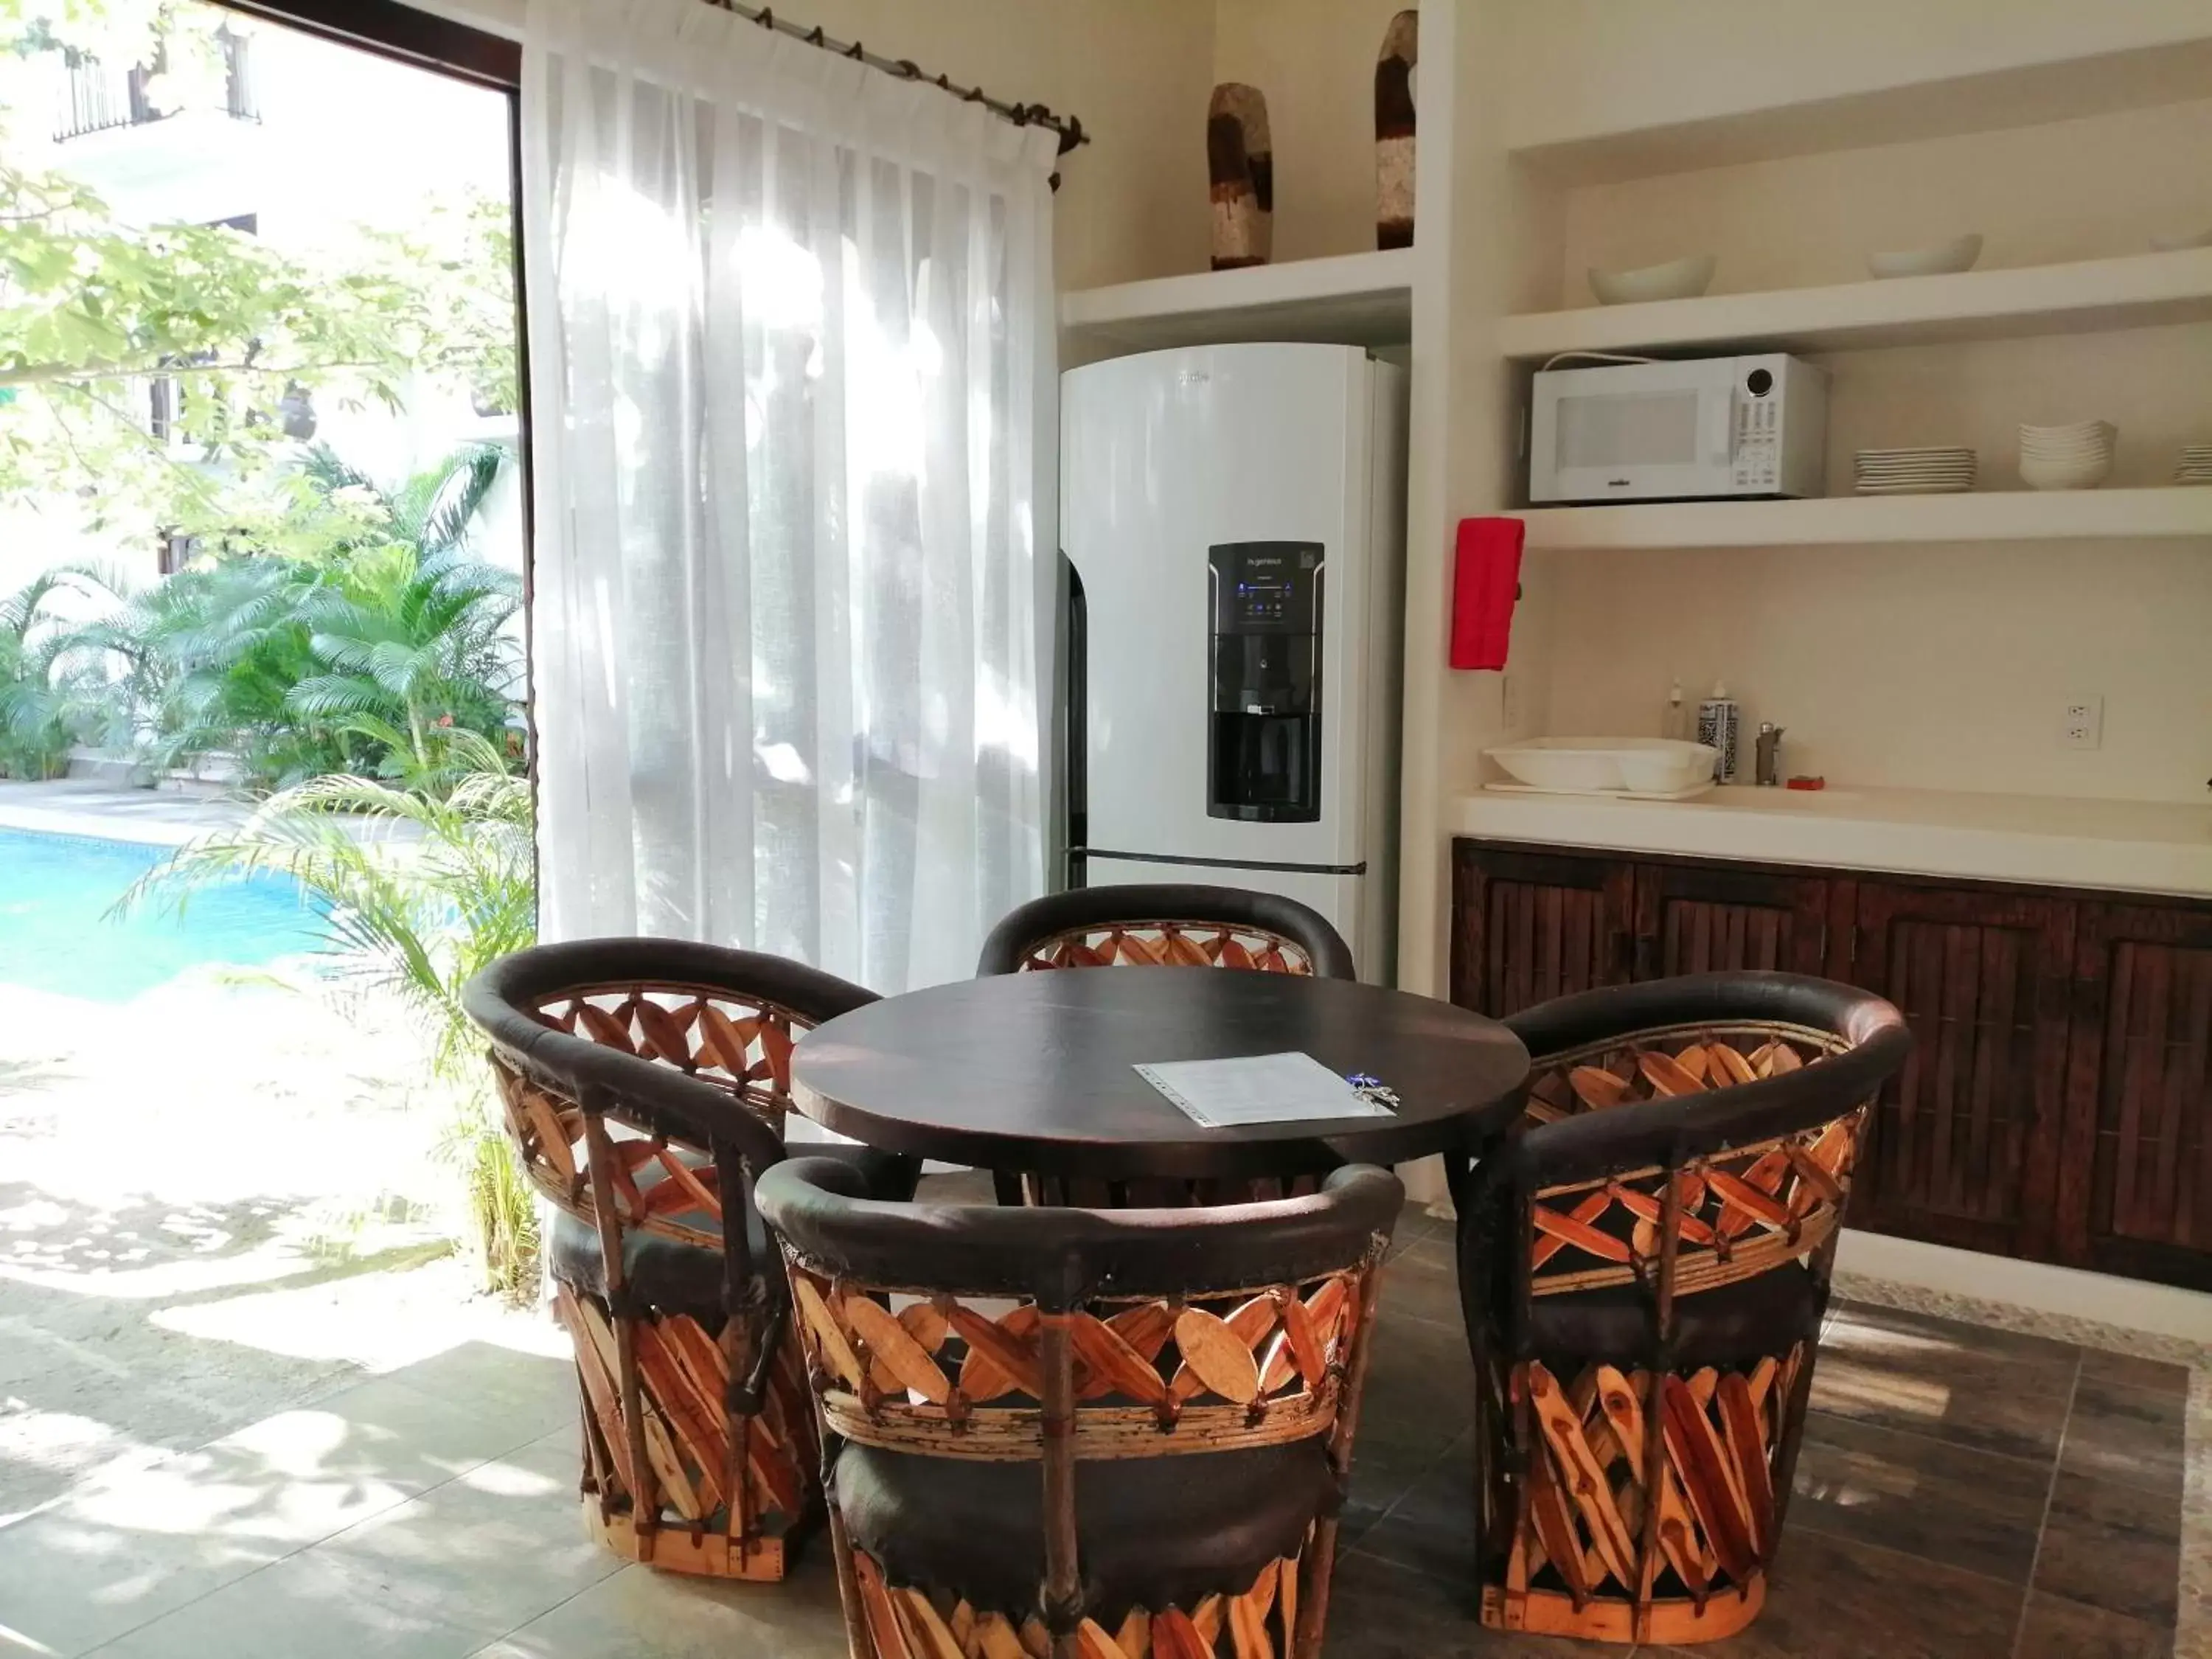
<point>1638,432</point>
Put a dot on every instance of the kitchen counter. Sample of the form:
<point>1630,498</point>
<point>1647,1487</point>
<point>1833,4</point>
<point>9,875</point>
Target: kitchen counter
<point>2134,845</point>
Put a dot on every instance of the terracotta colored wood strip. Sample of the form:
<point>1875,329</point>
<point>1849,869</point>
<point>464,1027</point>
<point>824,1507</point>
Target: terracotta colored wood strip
<point>1752,1204</point>
<point>1582,1476</point>
<point>599,1385</point>
<point>1115,1366</point>
<point>893,1347</point>
<point>1570,1229</point>
<point>829,1339</point>
<point>1007,1359</point>
<point>1696,1454</point>
<point>1747,1446</point>
<point>1555,1528</point>
<point>883,1622</point>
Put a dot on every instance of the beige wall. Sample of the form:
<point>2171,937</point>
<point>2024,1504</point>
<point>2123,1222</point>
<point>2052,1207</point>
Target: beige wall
<point>1315,61</point>
<point>1942,667</point>
<point>1585,67</point>
<point>1133,203</point>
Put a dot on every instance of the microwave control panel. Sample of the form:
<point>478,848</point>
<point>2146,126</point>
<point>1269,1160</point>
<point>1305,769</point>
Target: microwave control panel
<point>1757,459</point>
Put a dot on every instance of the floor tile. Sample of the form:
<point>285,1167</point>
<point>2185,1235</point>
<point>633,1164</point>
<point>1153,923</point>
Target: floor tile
<point>1380,1609</point>
<point>2152,1376</point>
<point>1946,1503</point>
<point>2113,1546</point>
<point>1422,1282</point>
<point>385,1430</point>
<point>489,1550</point>
<point>1420,1394</point>
<point>302,1606</point>
<point>1431,1526</point>
<point>1956,1335</point>
<point>525,1390</point>
<point>1834,1599</point>
<point>70,1581</point>
<point>1908,1372</point>
<point>2058,1629</point>
<point>2126,1434</point>
<point>638,1613</point>
<point>1382,1473</point>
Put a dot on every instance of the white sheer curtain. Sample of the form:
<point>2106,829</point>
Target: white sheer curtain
<point>792,377</point>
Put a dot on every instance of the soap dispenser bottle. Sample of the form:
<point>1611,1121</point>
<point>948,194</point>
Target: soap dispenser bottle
<point>1718,717</point>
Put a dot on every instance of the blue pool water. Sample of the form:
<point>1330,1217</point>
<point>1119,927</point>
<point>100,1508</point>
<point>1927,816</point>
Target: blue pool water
<point>56,934</point>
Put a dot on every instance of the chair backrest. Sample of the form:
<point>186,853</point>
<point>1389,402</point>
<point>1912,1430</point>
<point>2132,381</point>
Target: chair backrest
<point>1694,1132</point>
<point>618,1057</point>
<point>1166,925</point>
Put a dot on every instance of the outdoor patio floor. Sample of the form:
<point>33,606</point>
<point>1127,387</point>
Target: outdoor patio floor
<point>1963,1492</point>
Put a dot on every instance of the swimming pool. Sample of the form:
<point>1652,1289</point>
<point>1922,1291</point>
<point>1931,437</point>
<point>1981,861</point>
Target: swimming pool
<point>56,934</point>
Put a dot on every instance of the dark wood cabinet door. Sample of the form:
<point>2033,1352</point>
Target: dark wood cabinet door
<point>2136,1176</point>
<point>1963,1146</point>
<point>1699,919</point>
<point>1529,927</point>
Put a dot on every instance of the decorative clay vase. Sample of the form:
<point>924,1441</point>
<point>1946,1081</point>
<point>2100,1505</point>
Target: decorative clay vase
<point>1393,131</point>
<point>1240,166</point>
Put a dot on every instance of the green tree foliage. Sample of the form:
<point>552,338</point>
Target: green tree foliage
<point>93,310</point>
<point>52,695</point>
<point>348,630</point>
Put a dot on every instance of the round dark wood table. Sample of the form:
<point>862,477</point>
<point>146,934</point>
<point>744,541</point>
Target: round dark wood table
<point>1033,1071</point>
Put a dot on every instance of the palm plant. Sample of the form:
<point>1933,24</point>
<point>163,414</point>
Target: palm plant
<point>414,892</point>
<point>50,697</point>
<point>370,630</point>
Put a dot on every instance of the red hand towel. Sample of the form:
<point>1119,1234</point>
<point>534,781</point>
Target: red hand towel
<point>1486,582</point>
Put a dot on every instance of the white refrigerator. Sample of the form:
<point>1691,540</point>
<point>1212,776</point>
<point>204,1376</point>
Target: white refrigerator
<point>1234,519</point>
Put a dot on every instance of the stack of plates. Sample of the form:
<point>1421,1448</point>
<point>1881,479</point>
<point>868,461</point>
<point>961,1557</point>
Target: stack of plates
<point>1913,471</point>
<point>2074,457</point>
<point>2196,466</point>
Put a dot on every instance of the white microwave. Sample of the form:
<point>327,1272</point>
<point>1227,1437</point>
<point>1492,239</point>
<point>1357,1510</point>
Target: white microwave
<point>1702,430</point>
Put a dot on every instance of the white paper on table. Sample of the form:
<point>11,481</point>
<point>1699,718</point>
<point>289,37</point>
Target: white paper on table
<point>1224,1094</point>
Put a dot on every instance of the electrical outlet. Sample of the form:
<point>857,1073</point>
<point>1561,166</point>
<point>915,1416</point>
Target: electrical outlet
<point>2083,725</point>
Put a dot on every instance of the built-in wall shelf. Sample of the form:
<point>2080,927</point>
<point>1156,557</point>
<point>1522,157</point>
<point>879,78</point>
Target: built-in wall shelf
<point>2135,290</point>
<point>1741,130</point>
<point>1981,516</point>
<point>1353,299</point>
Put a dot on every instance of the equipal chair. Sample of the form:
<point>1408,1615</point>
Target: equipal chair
<point>1644,1272</point>
<point>1166,925</point>
<point>1158,925</point>
<point>644,1082</point>
<point>1091,1434</point>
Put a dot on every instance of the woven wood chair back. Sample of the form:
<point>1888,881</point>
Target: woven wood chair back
<point>645,1084</point>
<point>1171,926</point>
<point>1061,1338</point>
<point>1644,1272</point>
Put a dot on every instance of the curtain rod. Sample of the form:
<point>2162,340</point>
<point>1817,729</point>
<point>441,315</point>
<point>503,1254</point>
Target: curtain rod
<point>1069,128</point>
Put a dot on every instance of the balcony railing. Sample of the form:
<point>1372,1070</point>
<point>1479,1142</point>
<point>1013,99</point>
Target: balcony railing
<point>97,97</point>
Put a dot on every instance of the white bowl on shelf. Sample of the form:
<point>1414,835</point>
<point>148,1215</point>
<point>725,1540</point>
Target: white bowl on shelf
<point>1944,258</point>
<point>1657,766</point>
<point>2043,473</point>
<point>1678,279</point>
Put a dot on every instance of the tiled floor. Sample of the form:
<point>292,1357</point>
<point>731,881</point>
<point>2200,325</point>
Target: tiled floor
<point>1962,1492</point>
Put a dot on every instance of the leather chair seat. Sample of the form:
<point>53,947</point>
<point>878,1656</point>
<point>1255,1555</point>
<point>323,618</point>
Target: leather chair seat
<point>1157,1531</point>
<point>681,1277</point>
<point>1745,1322</point>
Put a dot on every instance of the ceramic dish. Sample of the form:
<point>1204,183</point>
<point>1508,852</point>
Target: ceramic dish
<point>1956,254</point>
<point>1678,279</point>
<point>1580,765</point>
